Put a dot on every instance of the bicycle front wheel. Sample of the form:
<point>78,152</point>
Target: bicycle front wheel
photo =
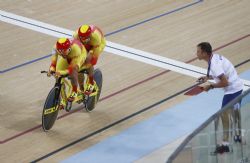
<point>50,109</point>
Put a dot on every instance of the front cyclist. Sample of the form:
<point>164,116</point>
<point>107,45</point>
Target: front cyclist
<point>68,57</point>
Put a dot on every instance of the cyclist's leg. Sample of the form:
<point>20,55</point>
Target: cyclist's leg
<point>74,81</point>
<point>94,60</point>
<point>81,81</point>
<point>62,65</point>
<point>91,74</point>
<point>76,66</point>
<point>68,87</point>
<point>63,101</point>
<point>90,83</point>
<point>82,66</point>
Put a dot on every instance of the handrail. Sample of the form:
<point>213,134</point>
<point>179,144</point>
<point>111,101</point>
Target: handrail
<point>203,125</point>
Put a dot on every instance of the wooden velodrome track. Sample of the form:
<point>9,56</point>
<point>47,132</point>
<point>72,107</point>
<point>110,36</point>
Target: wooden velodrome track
<point>129,86</point>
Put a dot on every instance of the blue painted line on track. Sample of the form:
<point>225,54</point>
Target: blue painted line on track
<point>154,133</point>
<point>108,34</point>
<point>153,18</point>
<point>26,63</point>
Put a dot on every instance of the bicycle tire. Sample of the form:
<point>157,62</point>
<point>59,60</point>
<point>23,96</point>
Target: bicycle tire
<point>50,109</point>
<point>91,102</point>
<point>98,78</point>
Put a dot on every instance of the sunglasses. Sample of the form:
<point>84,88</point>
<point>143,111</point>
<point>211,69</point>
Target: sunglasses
<point>61,51</point>
<point>84,39</point>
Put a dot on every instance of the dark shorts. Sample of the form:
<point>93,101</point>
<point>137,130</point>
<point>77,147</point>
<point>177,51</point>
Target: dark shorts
<point>229,97</point>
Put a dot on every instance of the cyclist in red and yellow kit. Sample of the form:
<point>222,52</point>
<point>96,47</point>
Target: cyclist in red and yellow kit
<point>94,41</point>
<point>68,57</point>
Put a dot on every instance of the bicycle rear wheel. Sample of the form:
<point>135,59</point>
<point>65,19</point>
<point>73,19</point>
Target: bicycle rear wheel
<point>92,100</point>
<point>50,109</point>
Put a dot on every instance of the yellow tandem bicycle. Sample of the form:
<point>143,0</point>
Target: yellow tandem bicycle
<point>61,90</point>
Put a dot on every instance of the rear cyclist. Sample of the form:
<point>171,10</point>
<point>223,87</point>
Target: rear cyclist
<point>94,41</point>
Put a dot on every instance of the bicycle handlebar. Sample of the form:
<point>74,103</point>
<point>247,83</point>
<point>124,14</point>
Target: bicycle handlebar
<point>53,74</point>
<point>44,72</point>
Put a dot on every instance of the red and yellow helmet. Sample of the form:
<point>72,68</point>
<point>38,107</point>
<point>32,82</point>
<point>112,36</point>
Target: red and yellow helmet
<point>84,31</point>
<point>62,44</point>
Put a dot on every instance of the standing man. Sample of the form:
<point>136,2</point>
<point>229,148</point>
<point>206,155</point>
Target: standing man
<point>223,72</point>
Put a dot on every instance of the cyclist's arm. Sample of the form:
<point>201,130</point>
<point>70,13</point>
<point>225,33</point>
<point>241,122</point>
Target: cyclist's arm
<point>69,69</point>
<point>96,42</point>
<point>53,60</point>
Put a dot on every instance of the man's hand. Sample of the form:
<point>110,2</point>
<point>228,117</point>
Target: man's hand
<point>202,79</point>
